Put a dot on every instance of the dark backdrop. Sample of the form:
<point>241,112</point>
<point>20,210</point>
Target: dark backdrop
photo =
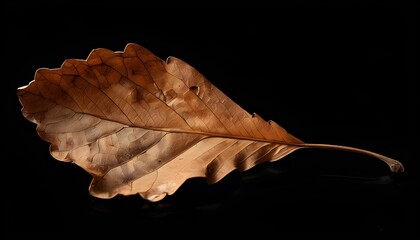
<point>328,74</point>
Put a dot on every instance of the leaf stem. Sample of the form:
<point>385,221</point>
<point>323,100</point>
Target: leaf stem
<point>393,164</point>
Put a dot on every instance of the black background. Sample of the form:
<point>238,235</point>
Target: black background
<point>338,74</point>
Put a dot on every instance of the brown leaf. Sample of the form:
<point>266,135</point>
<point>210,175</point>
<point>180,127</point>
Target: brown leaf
<point>139,124</point>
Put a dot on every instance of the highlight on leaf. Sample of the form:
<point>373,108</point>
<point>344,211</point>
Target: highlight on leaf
<point>141,125</point>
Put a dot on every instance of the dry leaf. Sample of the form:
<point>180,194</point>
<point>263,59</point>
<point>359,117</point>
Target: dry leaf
<point>139,124</point>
